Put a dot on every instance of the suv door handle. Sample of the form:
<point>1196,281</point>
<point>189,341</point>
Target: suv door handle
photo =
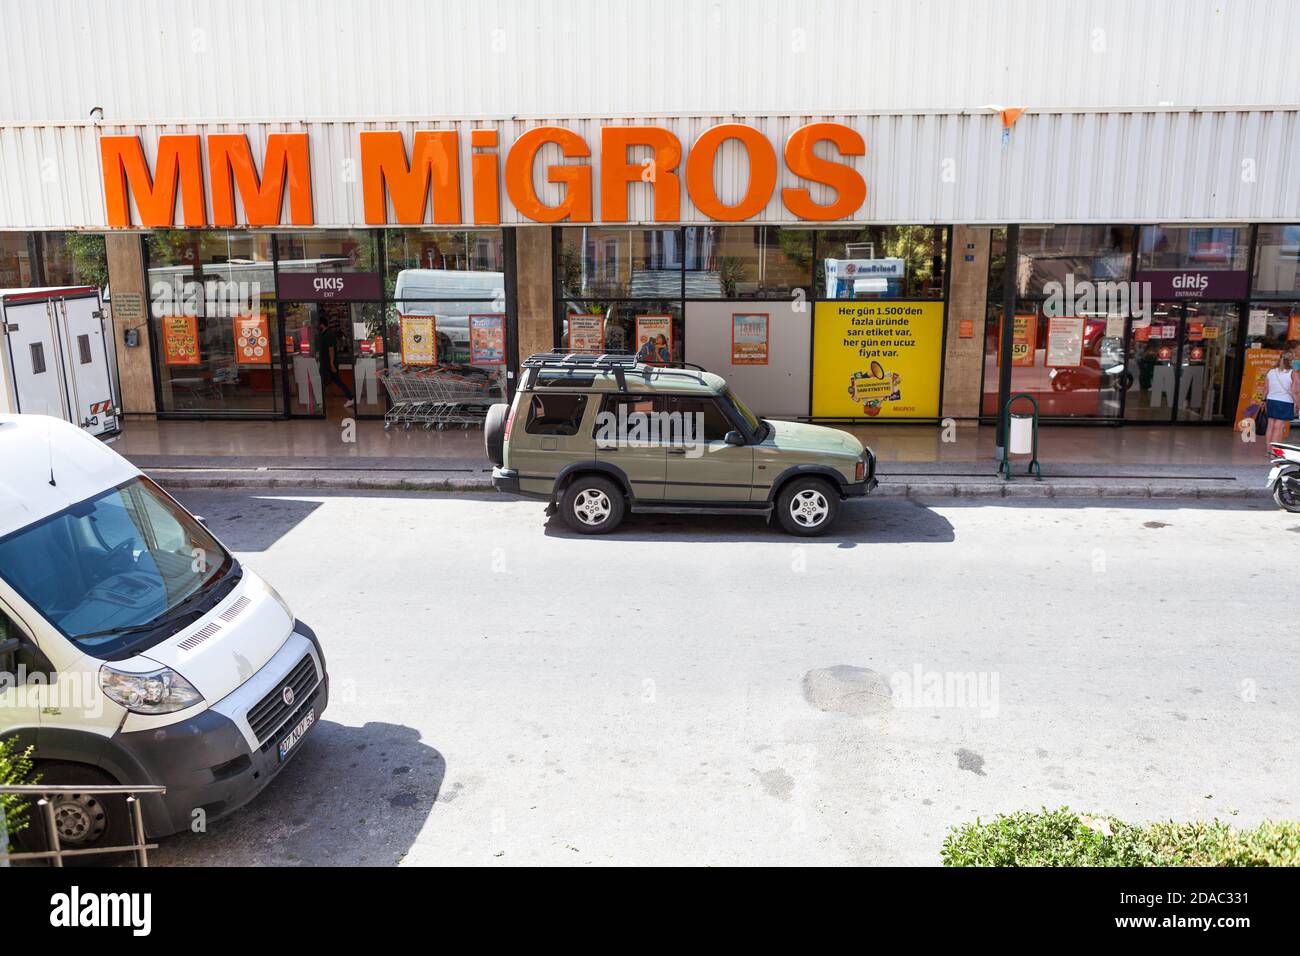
<point>676,450</point>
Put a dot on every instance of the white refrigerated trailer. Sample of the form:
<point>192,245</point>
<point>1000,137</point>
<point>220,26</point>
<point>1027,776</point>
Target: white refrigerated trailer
<point>54,357</point>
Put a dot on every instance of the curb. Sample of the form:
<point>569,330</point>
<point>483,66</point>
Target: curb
<point>1066,489</point>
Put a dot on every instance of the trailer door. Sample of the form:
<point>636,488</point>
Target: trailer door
<point>90,386</point>
<point>34,359</point>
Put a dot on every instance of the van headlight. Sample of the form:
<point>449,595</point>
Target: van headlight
<point>154,692</point>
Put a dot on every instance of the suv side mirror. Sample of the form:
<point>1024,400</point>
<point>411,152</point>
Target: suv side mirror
<point>733,437</point>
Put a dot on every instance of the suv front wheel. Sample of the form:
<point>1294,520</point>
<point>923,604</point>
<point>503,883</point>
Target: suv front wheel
<point>592,505</point>
<point>807,506</point>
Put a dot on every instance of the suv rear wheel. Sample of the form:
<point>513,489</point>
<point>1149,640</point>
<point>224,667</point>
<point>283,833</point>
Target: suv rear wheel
<point>591,504</point>
<point>807,506</point>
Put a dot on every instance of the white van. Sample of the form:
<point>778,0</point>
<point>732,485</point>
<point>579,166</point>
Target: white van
<point>134,647</point>
<point>416,287</point>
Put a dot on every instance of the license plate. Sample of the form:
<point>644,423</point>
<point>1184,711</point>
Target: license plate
<point>295,735</point>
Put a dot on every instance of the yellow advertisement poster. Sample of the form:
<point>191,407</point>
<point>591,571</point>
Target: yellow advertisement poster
<point>1254,386</point>
<point>877,359</point>
<point>419,344</point>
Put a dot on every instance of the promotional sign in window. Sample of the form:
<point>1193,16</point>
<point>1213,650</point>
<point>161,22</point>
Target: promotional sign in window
<point>876,359</point>
<point>419,340</point>
<point>252,340</point>
<point>587,333</point>
<point>1254,382</point>
<point>487,340</point>
<point>180,335</point>
<point>1064,342</point>
<point>1024,341</point>
<point>654,338</point>
<point>749,339</point>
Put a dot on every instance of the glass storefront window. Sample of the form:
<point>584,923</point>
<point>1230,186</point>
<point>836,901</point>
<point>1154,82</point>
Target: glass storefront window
<point>442,253</point>
<point>1088,253</point>
<point>618,325</point>
<point>748,262</point>
<point>213,319</point>
<point>1277,261</point>
<point>1208,248</point>
<point>328,250</point>
<point>74,258</point>
<point>355,330</point>
<point>623,263</point>
<point>1184,363</point>
<point>17,261</point>
<point>1090,390</point>
<point>1274,325</point>
<point>878,262</point>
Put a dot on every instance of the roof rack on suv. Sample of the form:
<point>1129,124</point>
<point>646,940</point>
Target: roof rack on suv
<point>620,363</point>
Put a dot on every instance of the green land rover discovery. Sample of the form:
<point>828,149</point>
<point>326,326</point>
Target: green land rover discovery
<point>599,435</point>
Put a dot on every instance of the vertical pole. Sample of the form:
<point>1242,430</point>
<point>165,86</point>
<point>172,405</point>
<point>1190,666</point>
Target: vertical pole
<point>56,847</point>
<point>1008,331</point>
<point>137,827</point>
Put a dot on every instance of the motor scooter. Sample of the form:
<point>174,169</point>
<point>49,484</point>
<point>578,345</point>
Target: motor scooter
<point>1284,476</point>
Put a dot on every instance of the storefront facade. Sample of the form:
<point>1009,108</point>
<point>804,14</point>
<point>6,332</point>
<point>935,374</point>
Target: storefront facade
<point>836,265</point>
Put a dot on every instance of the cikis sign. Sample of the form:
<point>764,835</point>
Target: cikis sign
<point>422,180</point>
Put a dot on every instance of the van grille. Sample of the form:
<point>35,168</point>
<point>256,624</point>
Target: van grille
<point>269,713</point>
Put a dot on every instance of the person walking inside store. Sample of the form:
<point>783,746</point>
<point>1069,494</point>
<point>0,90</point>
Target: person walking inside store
<point>327,349</point>
<point>1282,396</point>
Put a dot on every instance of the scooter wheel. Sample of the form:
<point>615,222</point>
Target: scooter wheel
<point>1285,498</point>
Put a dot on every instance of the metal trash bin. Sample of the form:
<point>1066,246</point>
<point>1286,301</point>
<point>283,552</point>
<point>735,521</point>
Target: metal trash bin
<point>1020,437</point>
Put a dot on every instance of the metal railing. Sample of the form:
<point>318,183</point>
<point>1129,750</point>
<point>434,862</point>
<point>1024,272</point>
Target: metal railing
<point>45,810</point>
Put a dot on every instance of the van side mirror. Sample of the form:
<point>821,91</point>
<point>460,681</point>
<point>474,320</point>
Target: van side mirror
<point>734,437</point>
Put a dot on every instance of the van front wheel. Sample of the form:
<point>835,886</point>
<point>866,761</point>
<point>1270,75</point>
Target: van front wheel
<point>83,821</point>
<point>592,505</point>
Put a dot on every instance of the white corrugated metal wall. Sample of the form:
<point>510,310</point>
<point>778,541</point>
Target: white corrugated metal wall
<point>1155,111</point>
<point>324,59</point>
<point>1159,166</point>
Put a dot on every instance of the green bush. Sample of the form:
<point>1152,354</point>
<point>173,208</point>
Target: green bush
<point>1065,838</point>
<point>15,768</point>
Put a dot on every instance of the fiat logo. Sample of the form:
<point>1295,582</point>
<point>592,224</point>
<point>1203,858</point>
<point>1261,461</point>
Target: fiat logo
<point>287,696</point>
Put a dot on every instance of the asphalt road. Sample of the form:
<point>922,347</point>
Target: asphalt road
<point>709,691</point>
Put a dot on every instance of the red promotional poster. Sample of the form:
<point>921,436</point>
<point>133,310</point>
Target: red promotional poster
<point>180,335</point>
<point>487,340</point>
<point>252,340</point>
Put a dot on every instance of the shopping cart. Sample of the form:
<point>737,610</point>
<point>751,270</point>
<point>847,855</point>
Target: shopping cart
<point>440,395</point>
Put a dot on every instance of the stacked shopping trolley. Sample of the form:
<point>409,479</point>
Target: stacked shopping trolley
<point>436,396</point>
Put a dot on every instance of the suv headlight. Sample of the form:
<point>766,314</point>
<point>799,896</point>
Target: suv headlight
<point>155,692</point>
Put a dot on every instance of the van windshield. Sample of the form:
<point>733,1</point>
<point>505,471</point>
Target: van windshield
<point>114,570</point>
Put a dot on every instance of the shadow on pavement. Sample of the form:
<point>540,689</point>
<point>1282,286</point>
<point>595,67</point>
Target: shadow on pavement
<point>874,521</point>
<point>247,520</point>
<point>355,796</point>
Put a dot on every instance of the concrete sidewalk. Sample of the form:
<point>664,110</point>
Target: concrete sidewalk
<point>1078,462</point>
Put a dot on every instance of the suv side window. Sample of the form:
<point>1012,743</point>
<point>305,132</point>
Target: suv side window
<point>716,424</point>
<point>622,411</point>
<point>555,414</point>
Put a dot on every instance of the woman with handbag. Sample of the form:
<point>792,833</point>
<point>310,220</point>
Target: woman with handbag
<point>1282,395</point>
